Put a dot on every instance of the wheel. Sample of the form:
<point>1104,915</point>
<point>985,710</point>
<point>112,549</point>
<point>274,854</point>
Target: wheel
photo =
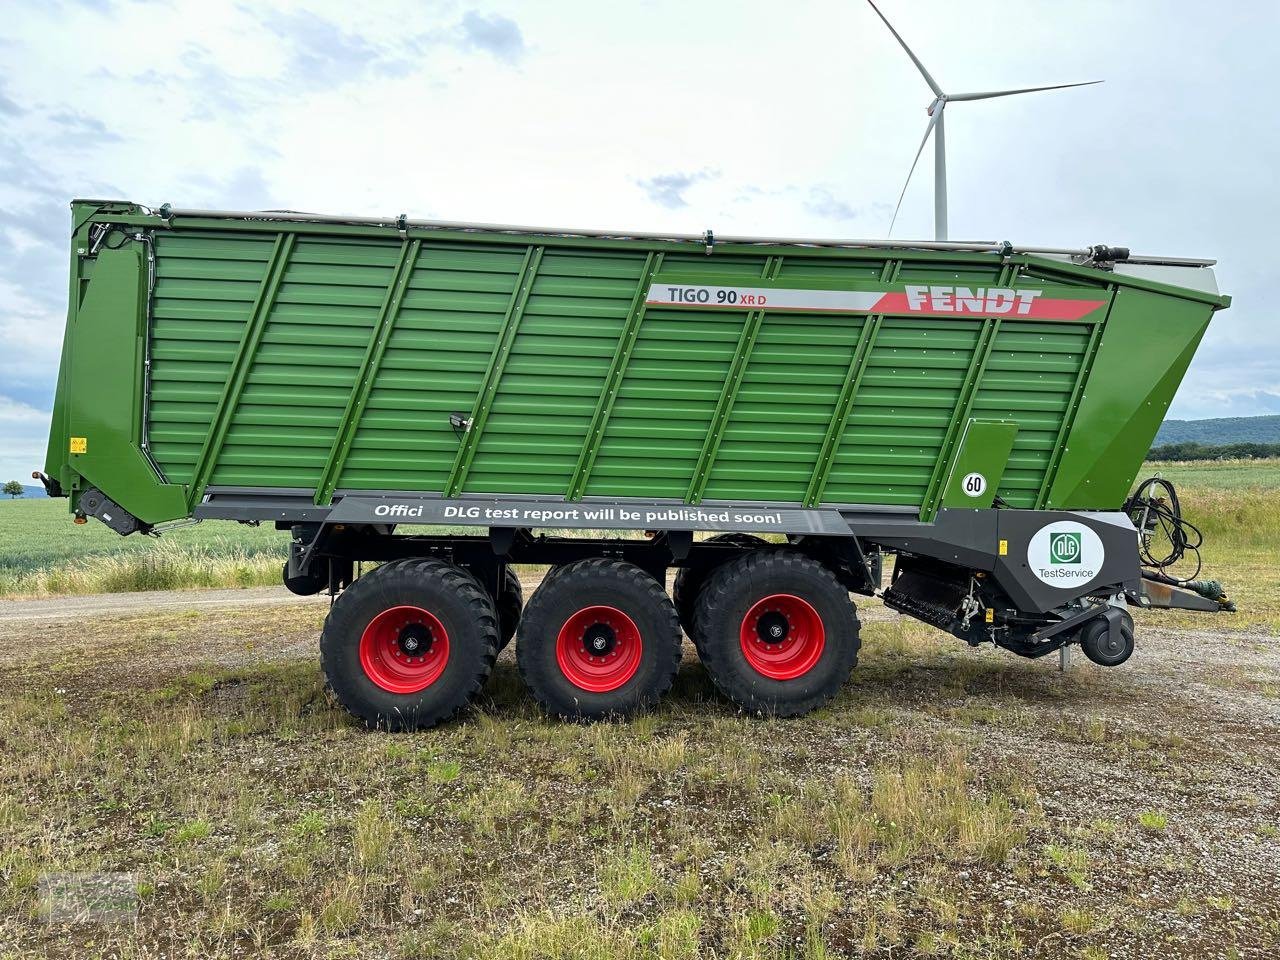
<point>689,580</point>
<point>509,605</point>
<point>1099,646</point>
<point>779,635</point>
<point>307,586</point>
<point>409,644</point>
<point>598,638</point>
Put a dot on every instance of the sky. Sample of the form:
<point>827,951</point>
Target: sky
<point>798,119</point>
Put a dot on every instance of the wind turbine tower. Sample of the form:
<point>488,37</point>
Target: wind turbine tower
<point>935,127</point>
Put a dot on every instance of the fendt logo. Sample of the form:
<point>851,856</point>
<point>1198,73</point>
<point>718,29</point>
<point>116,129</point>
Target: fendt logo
<point>1064,548</point>
<point>981,300</point>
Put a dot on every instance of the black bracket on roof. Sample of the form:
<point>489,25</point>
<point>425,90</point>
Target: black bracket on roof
<point>709,239</point>
<point>402,224</point>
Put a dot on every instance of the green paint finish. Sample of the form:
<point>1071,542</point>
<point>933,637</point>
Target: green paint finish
<point>977,366</point>
<point>979,464</point>
<point>840,415</point>
<point>1142,355</point>
<point>205,293</point>
<point>914,378</point>
<point>444,336</point>
<point>493,375</point>
<point>558,365</point>
<point>1029,379</point>
<point>729,392</point>
<point>279,361</point>
<point>246,355</point>
<point>621,355</point>
<point>1064,417</point>
<point>102,405</point>
<point>844,403</point>
<point>354,412</point>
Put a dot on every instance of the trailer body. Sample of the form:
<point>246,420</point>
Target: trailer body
<point>968,407</point>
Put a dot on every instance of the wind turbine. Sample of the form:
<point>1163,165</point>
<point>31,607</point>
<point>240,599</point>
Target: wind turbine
<point>936,108</point>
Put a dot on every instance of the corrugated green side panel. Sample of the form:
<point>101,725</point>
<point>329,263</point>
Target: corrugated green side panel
<point>784,405</point>
<point>435,361</point>
<point>443,336</point>
<point>1029,379</point>
<point>900,418</point>
<point>789,392</point>
<point>670,390</point>
<point>558,363</point>
<point>311,350</point>
<point>204,293</point>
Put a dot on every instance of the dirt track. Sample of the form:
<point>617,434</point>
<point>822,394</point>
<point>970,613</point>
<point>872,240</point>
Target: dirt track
<point>13,613</point>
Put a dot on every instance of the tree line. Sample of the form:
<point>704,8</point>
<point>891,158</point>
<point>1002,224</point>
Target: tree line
<point>1190,450</point>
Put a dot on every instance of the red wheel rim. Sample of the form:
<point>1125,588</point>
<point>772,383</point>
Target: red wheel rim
<point>782,637</point>
<point>404,649</point>
<point>598,649</point>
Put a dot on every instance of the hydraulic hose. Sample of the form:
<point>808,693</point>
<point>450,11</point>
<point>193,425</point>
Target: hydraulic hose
<point>1164,537</point>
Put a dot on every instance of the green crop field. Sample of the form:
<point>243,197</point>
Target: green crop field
<point>1218,474</point>
<point>43,553</point>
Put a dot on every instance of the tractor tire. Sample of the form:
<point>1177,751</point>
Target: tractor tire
<point>409,644</point>
<point>598,639</point>
<point>778,633</point>
<point>689,581</point>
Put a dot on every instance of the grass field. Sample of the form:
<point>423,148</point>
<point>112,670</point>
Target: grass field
<point>42,553</point>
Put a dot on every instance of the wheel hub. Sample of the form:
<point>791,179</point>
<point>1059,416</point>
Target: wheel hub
<point>599,640</point>
<point>773,627</point>
<point>415,640</point>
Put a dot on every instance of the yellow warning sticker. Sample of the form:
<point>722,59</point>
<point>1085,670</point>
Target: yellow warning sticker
<point>1004,548</point>
<point>79,444</point>
<point>991,615</point>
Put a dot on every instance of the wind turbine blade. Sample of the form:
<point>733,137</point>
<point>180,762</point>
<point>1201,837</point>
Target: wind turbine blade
<point>933,120</point>
<point>933,84</point>
<point>989,94</point>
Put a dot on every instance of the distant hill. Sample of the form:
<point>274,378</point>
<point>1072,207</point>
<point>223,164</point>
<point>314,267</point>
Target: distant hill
<point>1224,430</point>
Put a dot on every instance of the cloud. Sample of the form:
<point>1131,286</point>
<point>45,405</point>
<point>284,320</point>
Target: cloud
<point>8,107</point>
<point>494,34</point>
<point>667,189</point>
<point>321,53</point>
<point>76,124</point>
<point>1195,404</point>
<point>31,334</point>
<point>24,430</point>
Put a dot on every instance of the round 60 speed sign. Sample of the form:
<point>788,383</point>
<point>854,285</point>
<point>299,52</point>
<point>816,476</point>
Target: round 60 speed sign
<point>974,485</point>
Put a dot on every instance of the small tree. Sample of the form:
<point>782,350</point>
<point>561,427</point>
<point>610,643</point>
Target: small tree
<point>13,488</point>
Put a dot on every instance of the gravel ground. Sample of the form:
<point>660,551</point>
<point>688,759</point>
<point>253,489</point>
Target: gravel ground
<point>1164,770</point>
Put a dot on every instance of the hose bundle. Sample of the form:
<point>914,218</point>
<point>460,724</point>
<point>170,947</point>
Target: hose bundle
<point>1164,537</point>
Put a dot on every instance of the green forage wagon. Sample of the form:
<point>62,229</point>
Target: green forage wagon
<point>976,411</point>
